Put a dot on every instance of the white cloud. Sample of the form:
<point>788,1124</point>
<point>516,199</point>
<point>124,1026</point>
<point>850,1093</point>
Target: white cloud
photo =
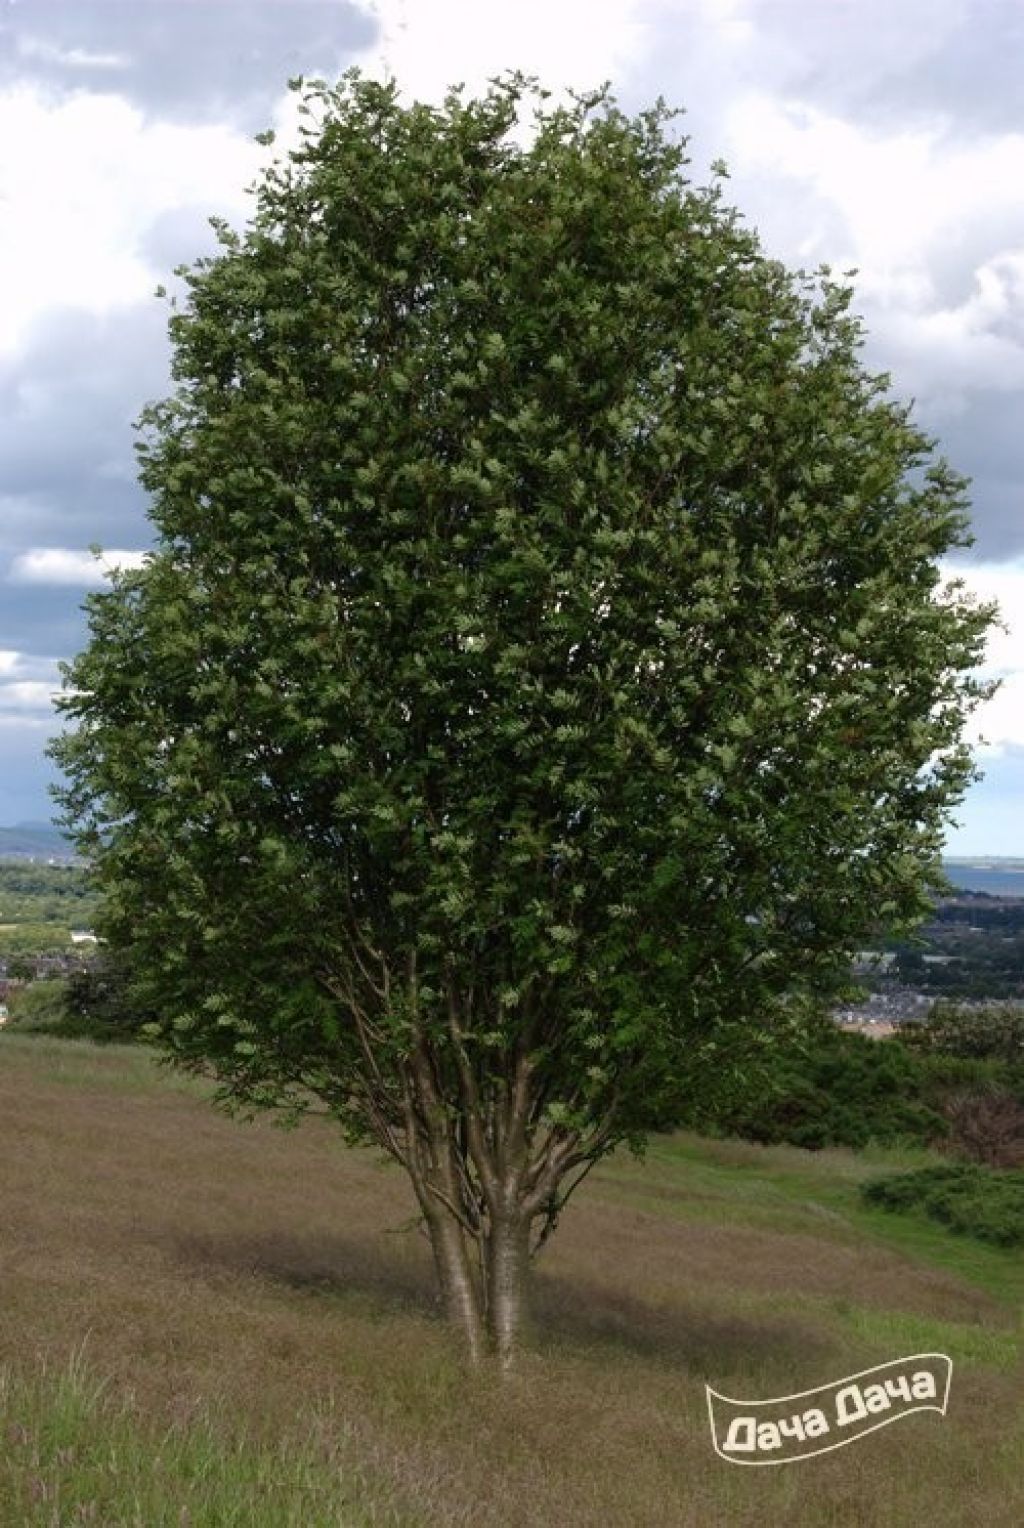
<point>574,43</point>
<point>26,665</point>
<point>1000,721</point>
<point>82,179</point>
<point>28,685</point>
<point>730,19</point>
<point>898,192</point>
<point>62,565</point>
<point>898,205</point>
<point>26,695</point>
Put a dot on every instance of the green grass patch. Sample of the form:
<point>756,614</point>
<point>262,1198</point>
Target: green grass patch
<point>902,1332</point>
<point>76,1454</point>
<point>80,1063</point>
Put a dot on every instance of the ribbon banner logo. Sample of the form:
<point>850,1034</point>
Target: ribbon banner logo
<point>791,1427</point>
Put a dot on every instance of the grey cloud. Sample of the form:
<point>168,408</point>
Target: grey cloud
<point>41,620</point>
<point>974,77</point>
<point>67,469</point>
<point>67,403</point>
<point>835,50</point>
<point>910,63</point>
<point>187,59</point>
<point>952,265</point>
<point>23,770</point>
<point>178,237</point>
<point>984,441</point>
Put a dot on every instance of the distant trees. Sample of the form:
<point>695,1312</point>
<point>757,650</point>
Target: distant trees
<point>39,906</point>
<point>20,941</point>
<point>829,1087</point>
<point>20,968</point>
<point>991,1031</point>
<point>968,949</point>
<point>45,894</point>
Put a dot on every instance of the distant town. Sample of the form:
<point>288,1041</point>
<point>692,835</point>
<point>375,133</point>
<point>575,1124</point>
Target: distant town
<point>970,951</point>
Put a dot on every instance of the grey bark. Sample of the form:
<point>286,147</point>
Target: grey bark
<point>508,1266</point>
<point>459,1288</point>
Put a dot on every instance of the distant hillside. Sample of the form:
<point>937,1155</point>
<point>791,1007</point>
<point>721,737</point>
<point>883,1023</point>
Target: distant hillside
<point>35,840</point>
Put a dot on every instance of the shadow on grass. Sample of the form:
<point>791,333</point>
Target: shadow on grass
<point>334,1267</point>
<point>564,1315</point>
<point>701,1342</point>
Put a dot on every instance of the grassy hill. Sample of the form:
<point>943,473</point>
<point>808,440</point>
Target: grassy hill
<point>212,1323</point>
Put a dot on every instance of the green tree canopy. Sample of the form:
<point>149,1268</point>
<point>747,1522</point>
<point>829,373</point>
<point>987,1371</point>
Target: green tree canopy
<point>542,681</point>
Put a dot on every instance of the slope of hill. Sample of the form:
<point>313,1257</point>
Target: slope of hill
<point>275,1357</point>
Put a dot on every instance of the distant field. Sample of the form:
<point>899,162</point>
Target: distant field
<point>208,1323</point>
<point>40,905</point>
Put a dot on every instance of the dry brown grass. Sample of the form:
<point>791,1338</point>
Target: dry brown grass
<point>263,1273</point>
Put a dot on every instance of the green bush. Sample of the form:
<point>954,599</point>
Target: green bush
<point>833,1087</point>
<point>39,1007</point>
<point>100,1002</point>
<point>974,1201</point>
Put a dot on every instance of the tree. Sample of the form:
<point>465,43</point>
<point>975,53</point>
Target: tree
<point>542,681</point>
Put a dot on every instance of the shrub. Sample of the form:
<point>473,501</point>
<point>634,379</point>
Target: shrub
<point>986,1125</point>
<point>88,1005</point>
<point>101,1005</point>
<point>972,1200</point>
<point>830,1087</point>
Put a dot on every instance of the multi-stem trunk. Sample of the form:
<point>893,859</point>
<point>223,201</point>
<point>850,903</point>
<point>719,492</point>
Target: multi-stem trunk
<point>486,1164</point>
<point>488,1312</point>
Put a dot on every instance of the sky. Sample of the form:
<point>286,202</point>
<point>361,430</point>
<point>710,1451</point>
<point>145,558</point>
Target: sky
<point>883,136</point>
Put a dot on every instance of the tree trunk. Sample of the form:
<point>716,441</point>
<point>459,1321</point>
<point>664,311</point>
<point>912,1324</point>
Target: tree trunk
<point>459,1290</point>
<point>508,1259</point>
